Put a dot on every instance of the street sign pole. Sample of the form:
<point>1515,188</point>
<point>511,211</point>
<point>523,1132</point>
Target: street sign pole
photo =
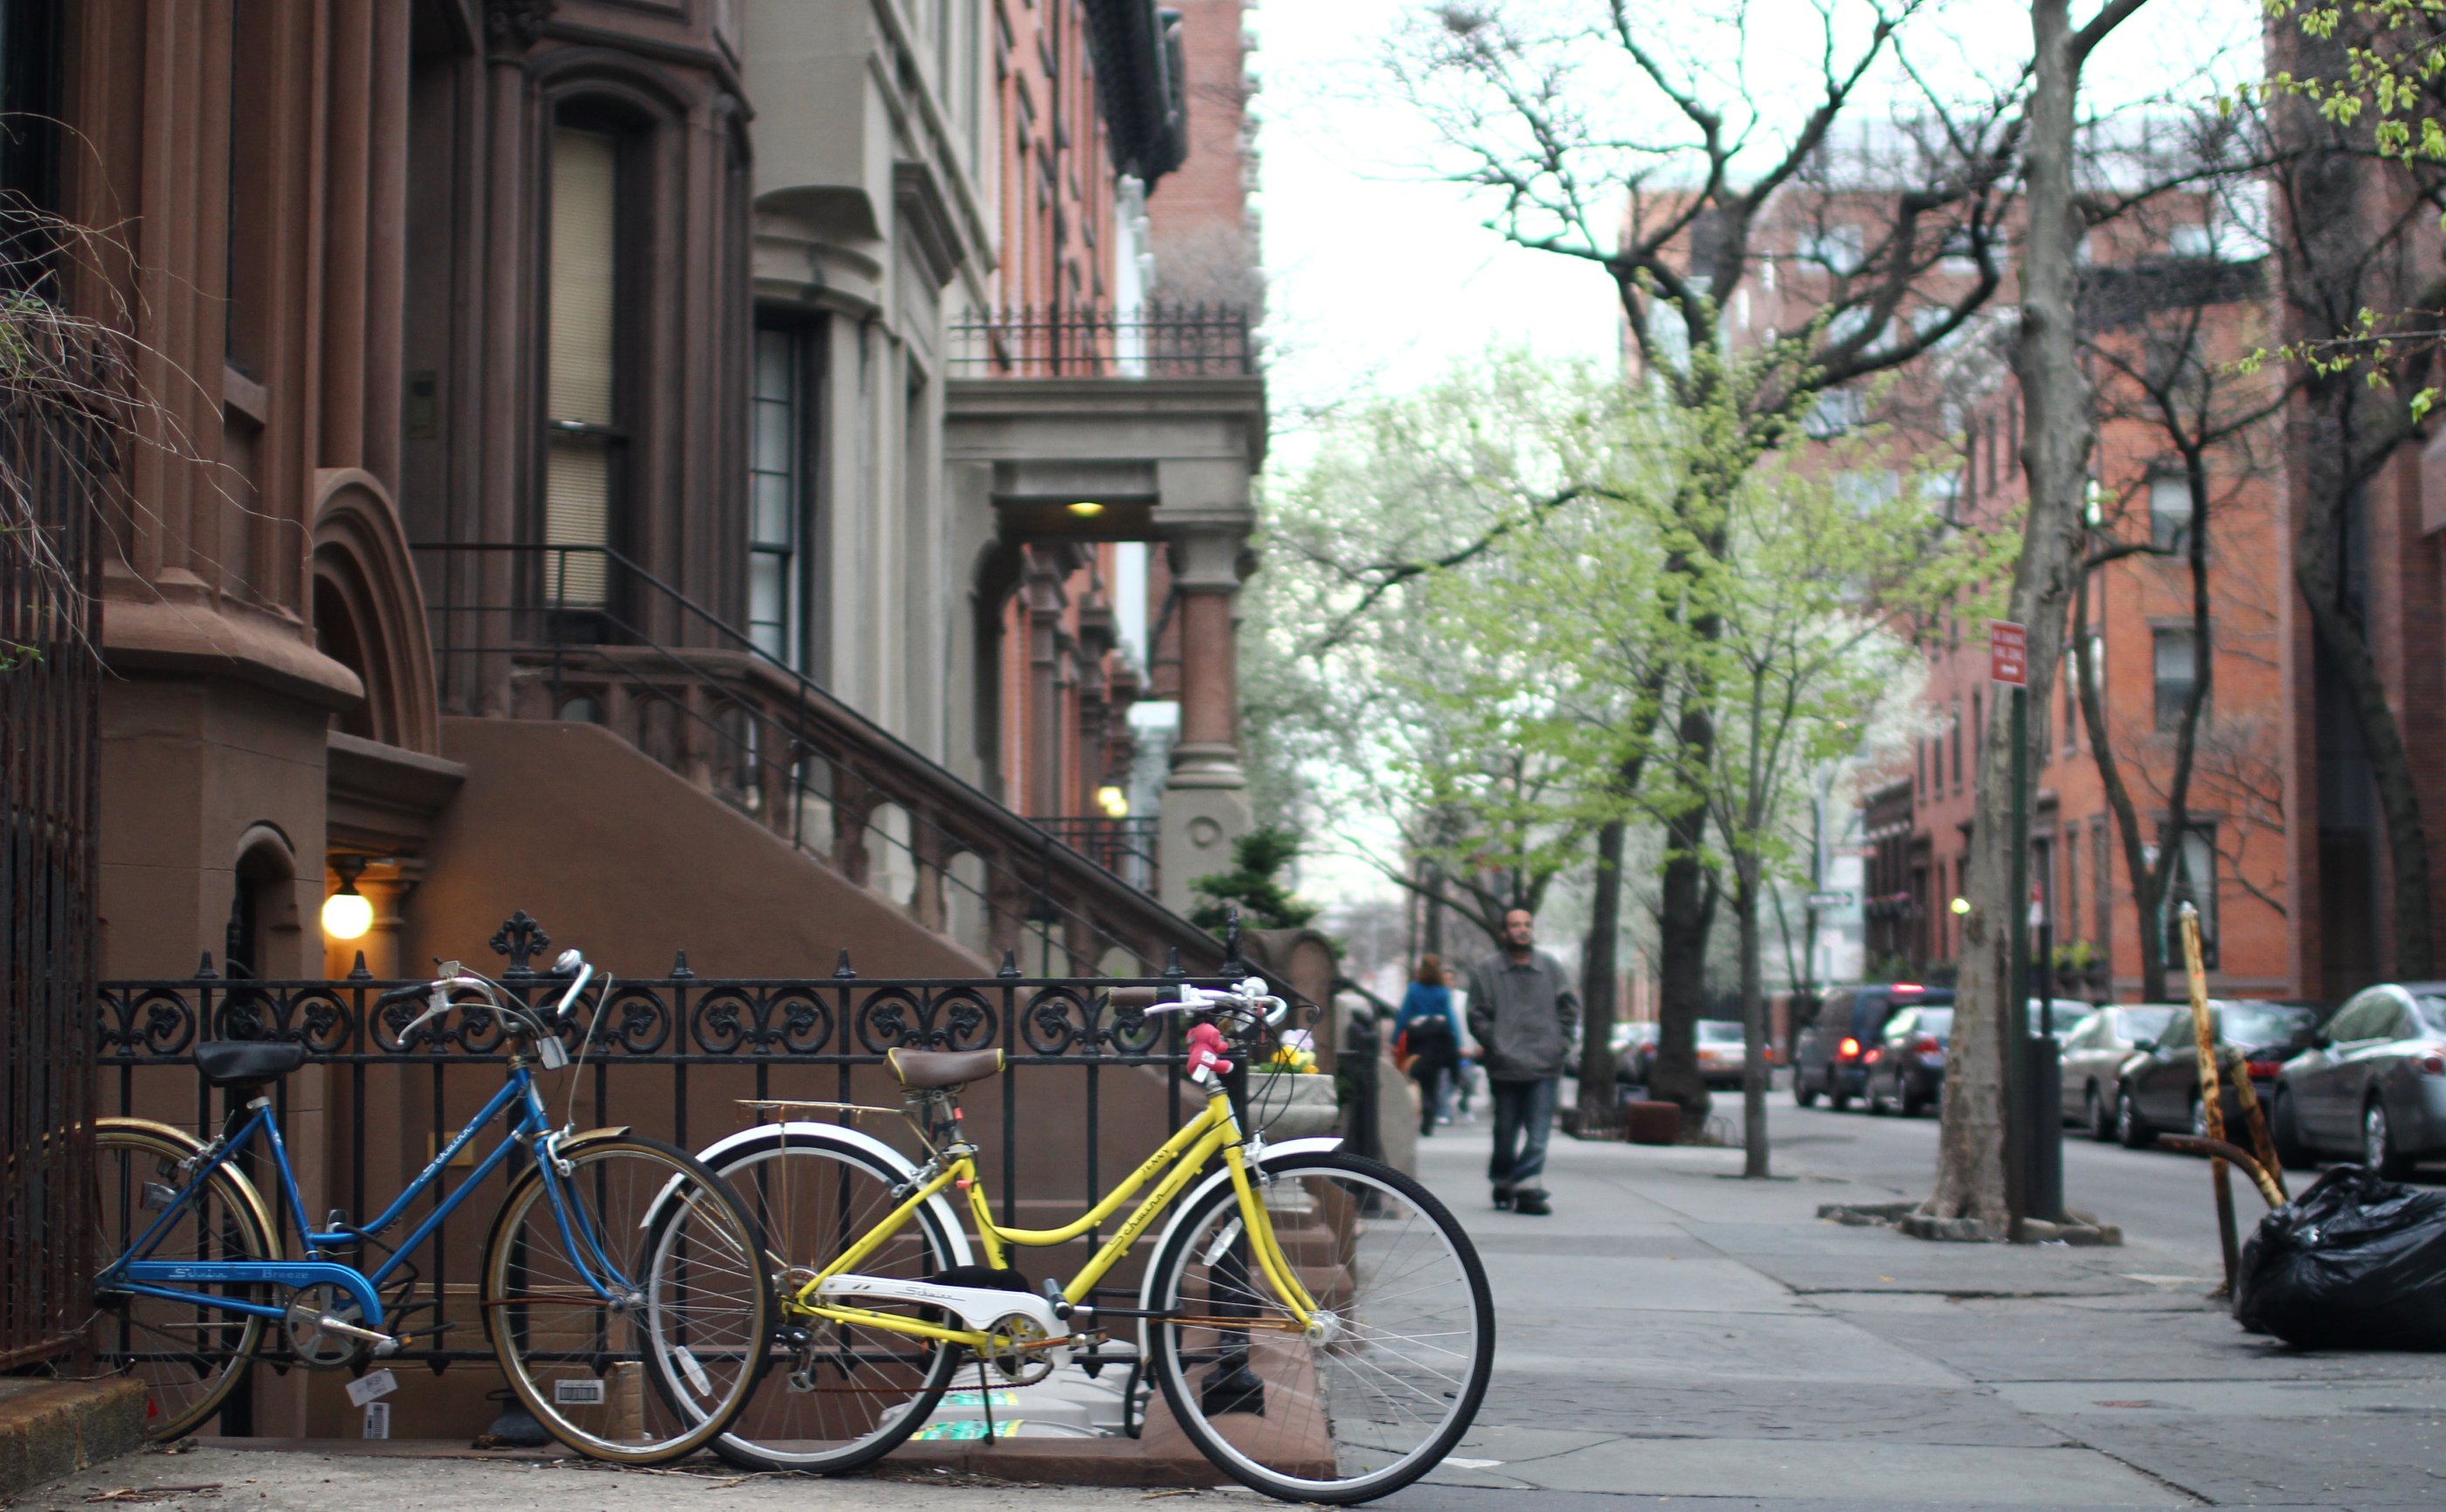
<point>2046,1079</point>
<point>2009,665</point>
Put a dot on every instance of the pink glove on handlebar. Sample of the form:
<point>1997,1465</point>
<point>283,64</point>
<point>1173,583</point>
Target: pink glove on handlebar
<point>1206,1050</point>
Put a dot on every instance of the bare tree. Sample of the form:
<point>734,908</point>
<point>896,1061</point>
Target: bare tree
<point>1632,139</point>
<point>2165,334</point>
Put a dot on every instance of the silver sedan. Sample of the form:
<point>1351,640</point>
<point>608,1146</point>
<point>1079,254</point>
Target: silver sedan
<point>2094,1051</point>
<point>2373,1087</point>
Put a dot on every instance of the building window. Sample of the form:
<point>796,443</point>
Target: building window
<point>2170,512</point>
<point>1957,745</point>
<point>581,383</point>
<point>2070,930</point>
<point>776,489</point>
<point>2193,880</point>
<point>2178,670</point>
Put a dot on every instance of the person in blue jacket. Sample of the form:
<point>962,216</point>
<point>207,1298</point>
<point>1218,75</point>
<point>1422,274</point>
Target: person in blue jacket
<point>1429,1033</point>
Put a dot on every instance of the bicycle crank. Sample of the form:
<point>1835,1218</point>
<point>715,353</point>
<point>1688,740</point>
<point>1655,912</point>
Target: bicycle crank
<point>324,1331</point>
<point>1017,1346</point>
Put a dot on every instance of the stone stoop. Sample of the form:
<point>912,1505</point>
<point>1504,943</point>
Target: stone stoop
<point>49,1429</point>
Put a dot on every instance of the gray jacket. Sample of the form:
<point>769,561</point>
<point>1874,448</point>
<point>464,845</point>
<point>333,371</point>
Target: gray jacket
<point>1523,1016</point>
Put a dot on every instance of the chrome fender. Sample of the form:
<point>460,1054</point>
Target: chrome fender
<point>840,1138</point>
<point>1188,1200</point>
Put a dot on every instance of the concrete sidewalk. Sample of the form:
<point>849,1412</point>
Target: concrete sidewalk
<point>1674,1331</point>
<point>1675,1335</point>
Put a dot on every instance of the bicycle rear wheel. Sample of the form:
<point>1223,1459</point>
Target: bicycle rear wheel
<point>659,1367</point>
<point>190,1356</point>
<point>836,1396</point>
<point>1386,1381</point>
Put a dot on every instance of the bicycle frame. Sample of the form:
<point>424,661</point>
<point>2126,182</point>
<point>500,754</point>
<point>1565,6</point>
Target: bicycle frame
<point>1214,1129</point>
<point>133,1273</point>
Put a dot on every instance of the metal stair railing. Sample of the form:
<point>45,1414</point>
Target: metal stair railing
<point>581,632</point>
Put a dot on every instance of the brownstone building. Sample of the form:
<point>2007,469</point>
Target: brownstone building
<point>611,458</point>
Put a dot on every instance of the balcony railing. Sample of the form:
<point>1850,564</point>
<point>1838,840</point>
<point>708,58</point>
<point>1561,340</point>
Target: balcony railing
<point>1123,847</point>
<point>1155,340</point>
<point>581,632</point>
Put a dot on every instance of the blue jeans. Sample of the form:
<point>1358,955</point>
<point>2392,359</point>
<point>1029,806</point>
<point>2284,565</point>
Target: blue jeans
<point>1524,1115</point>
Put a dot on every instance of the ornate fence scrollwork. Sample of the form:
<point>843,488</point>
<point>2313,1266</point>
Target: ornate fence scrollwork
<point>642,1040</point>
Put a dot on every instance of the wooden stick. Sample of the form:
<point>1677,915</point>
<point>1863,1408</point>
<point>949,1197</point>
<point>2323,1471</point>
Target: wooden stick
<point>2211,1093</point>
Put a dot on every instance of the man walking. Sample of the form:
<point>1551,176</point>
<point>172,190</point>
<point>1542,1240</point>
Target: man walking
<point>1522,1014</point>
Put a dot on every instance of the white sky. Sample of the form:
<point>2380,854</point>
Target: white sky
<point>1378,276</point>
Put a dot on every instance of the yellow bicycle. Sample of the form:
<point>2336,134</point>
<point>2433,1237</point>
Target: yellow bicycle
<point>1318,1323</point>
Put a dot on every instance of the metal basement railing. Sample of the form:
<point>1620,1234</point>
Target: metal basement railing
<point>581,632</point>
<point>667,1056</point>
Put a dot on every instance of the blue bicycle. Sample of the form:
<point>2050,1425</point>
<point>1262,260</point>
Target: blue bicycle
<point>623,1286</point>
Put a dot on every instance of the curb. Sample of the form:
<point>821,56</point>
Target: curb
<point>52,1428</point>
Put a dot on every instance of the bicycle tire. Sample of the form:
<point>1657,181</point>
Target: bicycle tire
<point>698,1309</point>
<point>811,1197</point>
<point>1339,1420</point>
<point>130,1334</point>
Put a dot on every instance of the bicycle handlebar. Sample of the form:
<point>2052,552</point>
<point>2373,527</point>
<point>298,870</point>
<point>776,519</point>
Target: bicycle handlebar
<point>1248,995</point>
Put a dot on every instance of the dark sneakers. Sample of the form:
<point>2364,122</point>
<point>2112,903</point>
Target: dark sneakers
<point>1531,1203</point>
<point>1503,1198</point>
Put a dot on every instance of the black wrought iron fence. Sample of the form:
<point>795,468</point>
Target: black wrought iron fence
<point>1089,1088</point>
<point>55,456</point>
<point>1155,339</point>
<point>582,632</point>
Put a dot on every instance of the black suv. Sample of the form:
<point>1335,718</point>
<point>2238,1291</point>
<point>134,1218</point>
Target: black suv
<point>1830,1052</point>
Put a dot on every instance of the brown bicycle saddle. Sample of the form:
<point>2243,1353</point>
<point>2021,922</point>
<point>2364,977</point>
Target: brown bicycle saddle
<point>931,1070</point>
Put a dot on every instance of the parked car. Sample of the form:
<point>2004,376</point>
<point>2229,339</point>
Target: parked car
<point>2094,1053</point>
<point>2160,1087</point>
<point>1723,1052</point>
<point>1830,1052</point>
<point>1634,1052</point>
<point>1720,1048</point>
<point>1906,1067</point>
<point>2372,1085</point>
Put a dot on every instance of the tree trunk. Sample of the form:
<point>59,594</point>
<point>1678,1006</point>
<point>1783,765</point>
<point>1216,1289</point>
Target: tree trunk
<point>1598,973</point>
<point>1970,1181</point>
<point>1745,907</point>
<point>1681,967</point>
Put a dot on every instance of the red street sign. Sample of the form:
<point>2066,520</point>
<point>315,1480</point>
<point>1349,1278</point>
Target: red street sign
<point>2008,653</point>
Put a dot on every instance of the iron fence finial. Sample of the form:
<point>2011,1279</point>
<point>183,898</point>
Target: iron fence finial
<point>521,939</point>
<point>204,967</point>
<point>843,971</point>
<point>358,972</point>
<point>1009,964</point>
<point>679,965</point>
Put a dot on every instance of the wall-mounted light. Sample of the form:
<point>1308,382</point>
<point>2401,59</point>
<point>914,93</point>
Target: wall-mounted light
<point>1961,905</point>
<point>1115,803</point>
<point>346,914</point>
<point>1085,509</point>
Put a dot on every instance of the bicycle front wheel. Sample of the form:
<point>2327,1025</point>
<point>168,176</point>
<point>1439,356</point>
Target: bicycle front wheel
<point>1383,1381</point>
<point>190,1356</point>
<point>838,1395</point>
<point>627,1300</point>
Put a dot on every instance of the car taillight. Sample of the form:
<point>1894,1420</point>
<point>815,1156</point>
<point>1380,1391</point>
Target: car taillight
<point>1848,1049</point>
<point>1873,1056</point>
<point>1926,1045</point>
<point>2262,1069</point>
<point>2432,1064</point>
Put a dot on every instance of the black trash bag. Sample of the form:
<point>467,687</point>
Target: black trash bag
<point>2353,1264</point>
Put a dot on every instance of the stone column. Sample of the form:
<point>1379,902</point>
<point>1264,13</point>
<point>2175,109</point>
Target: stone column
<point>1206,800</point>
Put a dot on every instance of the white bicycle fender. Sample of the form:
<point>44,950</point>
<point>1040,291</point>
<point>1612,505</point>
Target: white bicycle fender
<point>852,1139</point>
<point>1186,1203</point>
